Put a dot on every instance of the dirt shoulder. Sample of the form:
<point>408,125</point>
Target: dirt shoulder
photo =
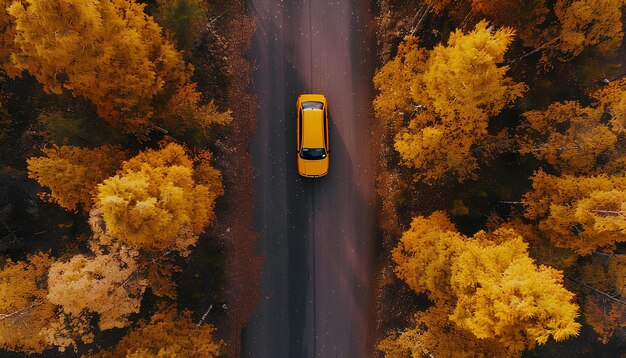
<point>234,226</point>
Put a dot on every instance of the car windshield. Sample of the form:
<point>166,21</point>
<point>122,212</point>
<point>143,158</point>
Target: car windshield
<point>312,105</point>
<point>313,153</point>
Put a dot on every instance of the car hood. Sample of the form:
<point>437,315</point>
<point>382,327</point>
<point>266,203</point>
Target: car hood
<point>313,167</point>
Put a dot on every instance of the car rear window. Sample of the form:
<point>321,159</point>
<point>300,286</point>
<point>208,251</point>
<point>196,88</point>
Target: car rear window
<point>312,105</point>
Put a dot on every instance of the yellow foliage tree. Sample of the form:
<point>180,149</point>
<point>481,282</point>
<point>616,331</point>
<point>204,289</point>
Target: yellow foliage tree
<point>158,269</point>
<point>584,23</point>
<point>24,309</point>
<point>580,213</point>
<point>168,334</point>
<point>72,173</point>
<point>491,286</point>
<point>539,245</point>
<point>158,195</point>
<point>604,315</point>
<point>394,79</point>
<point>109,52</point>
<point>183,114</point>
<point>434,335</point>
<point>7,24</point>
<point>612,98</point>
<point>569,137</point>
<point>453,89</point>
<point>427,248</point>
<point>107,284</point>
<point>502,294</point>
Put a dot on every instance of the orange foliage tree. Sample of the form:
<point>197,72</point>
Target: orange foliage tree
<point>72,173</point>
<point>159,200</point>
<point>584,23</point>
<point>168,334</point>
<point>489,284</point>
<point>449,94</point>
<point>434,335</point>
<point>569,137</point>
<point>25,312</point>
<point>7,24</point>
<point>580,213</point>
<point>612,98</point>
<point>157,268</point>
<point>606,275</point>
<point>109,52</point>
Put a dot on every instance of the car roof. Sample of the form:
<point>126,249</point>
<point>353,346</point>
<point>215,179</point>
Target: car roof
<point>313,128</point>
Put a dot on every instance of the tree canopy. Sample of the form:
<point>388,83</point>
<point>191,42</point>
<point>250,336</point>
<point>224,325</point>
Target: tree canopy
<point>24,309</point>
<point>581,213</point>
<point>72,173</point>
<point>489,284</point>
<point>447,95</point>
<point>167,334</point>
<point>159,195</point>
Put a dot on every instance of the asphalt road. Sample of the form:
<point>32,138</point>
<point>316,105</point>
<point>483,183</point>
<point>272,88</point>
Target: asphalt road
<point>316,234</point>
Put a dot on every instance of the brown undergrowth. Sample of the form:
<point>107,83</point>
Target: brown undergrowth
<point>234,229</point>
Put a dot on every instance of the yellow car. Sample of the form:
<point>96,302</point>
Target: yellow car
<point>312,135</point>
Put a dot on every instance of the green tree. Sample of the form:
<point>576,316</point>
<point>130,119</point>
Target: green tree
<point>183,19</point>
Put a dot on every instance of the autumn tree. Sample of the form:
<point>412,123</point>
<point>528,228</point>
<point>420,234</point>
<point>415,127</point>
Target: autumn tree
<point>580,213</point>
<point>449,94</point>
<point>612,98</point>
<point>76,128</point>
<point>156,268</point>
<point>540,247</point>
<point>107,284</point>
<point>167,334</point>
<point>523,15</point>
<point>7,24</point>
<point>584,23</point>
<point>72,173</point>
<point>571,138</point>
<point>24,309</point>
<point>605,279</point>
<point>184,116</point>
<point>159,196</point>
<point>490,285</point>
<point>183,19</point>
<point>434,335</point>
<point>394,79</point>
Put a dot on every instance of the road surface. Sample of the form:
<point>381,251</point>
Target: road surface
<point>316,234</point>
